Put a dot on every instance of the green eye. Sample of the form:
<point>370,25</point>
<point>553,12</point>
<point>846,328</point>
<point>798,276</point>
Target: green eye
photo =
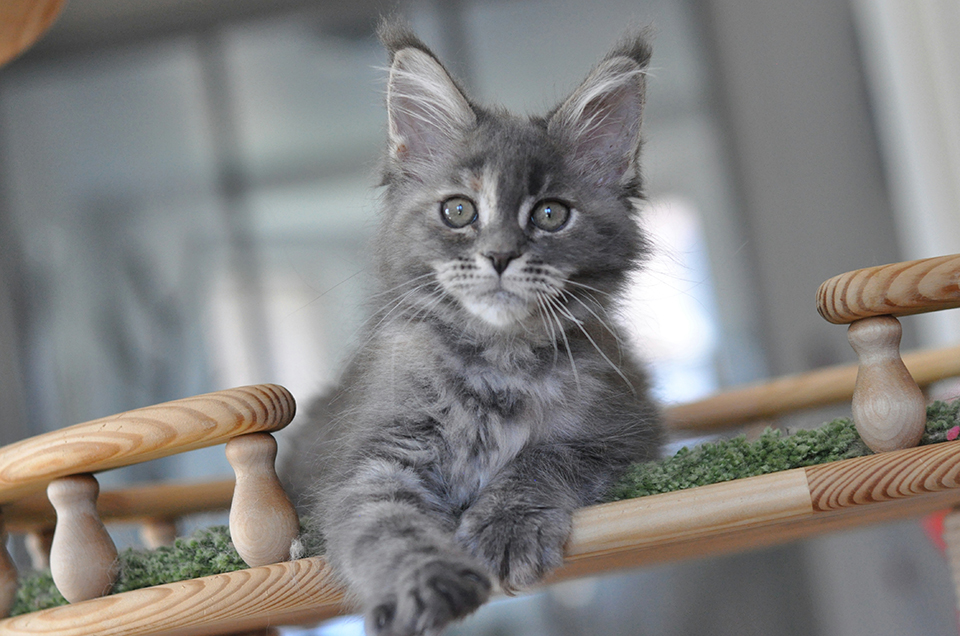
<point>550,216</point>
<point>458,212</point>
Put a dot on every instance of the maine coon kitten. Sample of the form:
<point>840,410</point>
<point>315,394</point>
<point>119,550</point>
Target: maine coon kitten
<point>491,395</point>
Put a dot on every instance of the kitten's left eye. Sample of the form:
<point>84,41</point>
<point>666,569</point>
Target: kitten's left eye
<point>458,212</point>
<point>550,216</point>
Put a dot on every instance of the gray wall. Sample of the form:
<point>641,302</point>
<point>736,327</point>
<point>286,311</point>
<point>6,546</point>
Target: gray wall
<point>811,181</point>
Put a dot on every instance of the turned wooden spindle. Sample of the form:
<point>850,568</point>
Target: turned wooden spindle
<point>889,409</point>
<point>263,523</point>
<point>8,574</point>
<point>157,533</point>
<point>83,558</point>
<point>38,544</point>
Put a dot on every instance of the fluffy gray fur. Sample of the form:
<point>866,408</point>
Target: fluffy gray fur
<point>492,394</point>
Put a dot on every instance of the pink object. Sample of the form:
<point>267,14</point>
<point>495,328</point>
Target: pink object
<point>953,433</point>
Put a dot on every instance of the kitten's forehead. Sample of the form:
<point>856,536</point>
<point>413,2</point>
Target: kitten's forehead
<point>520,158</point>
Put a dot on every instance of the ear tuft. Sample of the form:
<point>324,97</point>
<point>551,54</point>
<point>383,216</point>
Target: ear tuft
<point>602,118</point>
<point>395,35</point>
<point>427,112</point>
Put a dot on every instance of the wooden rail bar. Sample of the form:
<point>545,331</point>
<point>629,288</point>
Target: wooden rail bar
<point>140,435</point>
<point>898,289</point>
<point>771,399</point>
<point>284,593</point>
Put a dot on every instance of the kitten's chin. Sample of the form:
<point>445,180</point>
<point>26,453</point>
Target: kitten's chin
<point>502,310</point>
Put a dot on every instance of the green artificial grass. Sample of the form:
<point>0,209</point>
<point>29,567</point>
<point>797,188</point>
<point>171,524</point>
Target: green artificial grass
<point>736,458</point>
<point>207,552</point>
<point>210,552</point>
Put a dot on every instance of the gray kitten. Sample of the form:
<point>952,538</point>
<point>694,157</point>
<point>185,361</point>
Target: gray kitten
<point>491,396</point>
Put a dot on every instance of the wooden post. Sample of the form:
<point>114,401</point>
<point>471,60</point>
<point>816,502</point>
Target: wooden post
<point>157,533</point>
<point>83,558</point>
<point>889,409</point>
<point>263,522</point>
<point>38,547</point>
<point>8,574</point>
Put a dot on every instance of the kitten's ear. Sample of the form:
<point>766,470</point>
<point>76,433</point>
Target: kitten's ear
<point>601,119</point>
<point>427,112</point>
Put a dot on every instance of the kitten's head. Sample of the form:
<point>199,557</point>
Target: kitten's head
<point>496,223</point>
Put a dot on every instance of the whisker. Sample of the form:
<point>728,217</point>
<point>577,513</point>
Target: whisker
<point>394,305</point>
<point>551,305</point>
<point>403,284</point>
<point>603,323</point>
<point>588,287</point>
<point>579,324</point>
<point>541,309</point>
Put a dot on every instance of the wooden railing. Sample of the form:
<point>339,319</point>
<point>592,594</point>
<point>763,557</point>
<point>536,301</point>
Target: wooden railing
<point>83,558</point>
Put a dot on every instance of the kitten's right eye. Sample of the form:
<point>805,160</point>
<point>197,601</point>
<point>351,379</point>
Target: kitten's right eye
<point>458,212</point>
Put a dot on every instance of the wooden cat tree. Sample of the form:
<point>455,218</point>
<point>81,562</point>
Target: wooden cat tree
<point>900,480</point>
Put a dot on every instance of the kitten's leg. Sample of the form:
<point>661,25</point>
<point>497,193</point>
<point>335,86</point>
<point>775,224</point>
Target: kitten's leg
<point>522,519</point>
<point>386,537</point>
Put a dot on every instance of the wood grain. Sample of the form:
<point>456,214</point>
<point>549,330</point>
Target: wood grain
<point>898,289</point>
<point>754,536</point>
<point>767,400</point>
<point>761,511</point>
<point>140,435</point>
<point>22,22</point>
<point>885,477</point>
<point>284,593</point>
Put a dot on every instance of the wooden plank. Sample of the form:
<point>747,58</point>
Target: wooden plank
<point>140,435</point>
<point>767,400</point>
<point>898,289</point>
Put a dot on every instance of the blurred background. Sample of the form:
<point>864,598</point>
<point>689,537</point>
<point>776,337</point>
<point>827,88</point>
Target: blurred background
<point>186,188</point>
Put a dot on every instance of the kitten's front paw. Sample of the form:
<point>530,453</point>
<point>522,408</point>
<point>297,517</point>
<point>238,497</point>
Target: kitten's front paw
<point>519,544</point>
<point>428,597</point>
